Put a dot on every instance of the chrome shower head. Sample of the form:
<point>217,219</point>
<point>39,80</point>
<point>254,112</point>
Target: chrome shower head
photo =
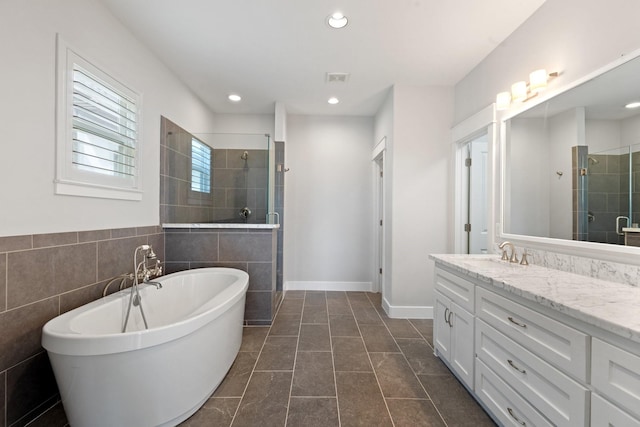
<point>593,160</point>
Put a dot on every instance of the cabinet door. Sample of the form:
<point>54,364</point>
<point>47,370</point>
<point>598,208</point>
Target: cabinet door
<point>615,373</point>
<point>441,327</point>
<point>462,347</point>
<point>605,414</point>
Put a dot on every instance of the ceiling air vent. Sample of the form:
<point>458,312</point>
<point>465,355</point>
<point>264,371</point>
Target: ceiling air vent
<point>337,77</point>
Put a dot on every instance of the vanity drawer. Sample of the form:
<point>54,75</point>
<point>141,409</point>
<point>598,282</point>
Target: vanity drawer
<point>506,405</point>
<point>562,400</point>
<point>606,414</point>
<point>615,373</point>
<point>459,290</point>
<point>558,344</point>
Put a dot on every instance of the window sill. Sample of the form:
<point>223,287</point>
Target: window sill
<point>70,188</point>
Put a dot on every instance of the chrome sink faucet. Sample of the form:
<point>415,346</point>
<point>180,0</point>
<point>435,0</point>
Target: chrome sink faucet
<point>505,257</point>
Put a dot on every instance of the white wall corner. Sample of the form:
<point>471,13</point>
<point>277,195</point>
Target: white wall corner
<point>328,286</point>
<point>407,312</point>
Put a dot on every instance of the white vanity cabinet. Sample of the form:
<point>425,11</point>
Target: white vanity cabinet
<point>535,356</point>
<point>615,376</point>
<point>542,347</point>
<point>454,324</point>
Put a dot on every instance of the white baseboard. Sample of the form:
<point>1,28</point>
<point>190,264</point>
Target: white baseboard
<point>329,286</point>
<point>407,311</point>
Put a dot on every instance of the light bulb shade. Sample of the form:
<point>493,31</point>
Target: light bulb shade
<point>503,99</point>
<point>337,20</point>
<point>519,91</point>
<point>538,80</point>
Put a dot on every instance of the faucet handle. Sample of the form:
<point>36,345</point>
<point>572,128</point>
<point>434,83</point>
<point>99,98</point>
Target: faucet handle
<point>524,258</point>
<point>505,257</point>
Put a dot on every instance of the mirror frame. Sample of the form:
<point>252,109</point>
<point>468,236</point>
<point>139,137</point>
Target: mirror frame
<point>602,251</point>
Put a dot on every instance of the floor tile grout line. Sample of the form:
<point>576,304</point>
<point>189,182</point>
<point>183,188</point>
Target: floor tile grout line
<point>333,361</point>
<point>369,357</point>
<point>295,360</point>
<point>420,333</point>
<point>253,370</point>
<point>410,367</point>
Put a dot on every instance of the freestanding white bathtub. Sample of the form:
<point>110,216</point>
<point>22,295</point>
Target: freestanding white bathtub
<point>154,377</point>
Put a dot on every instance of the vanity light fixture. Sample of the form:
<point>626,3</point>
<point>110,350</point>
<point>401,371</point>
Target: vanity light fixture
<point>519,91</point>
<point>235,97</point>
<point>632,105</point>
<point>337,20</point>
<point>523,91</point>
<point>333,100</point>
<point>503,100</point>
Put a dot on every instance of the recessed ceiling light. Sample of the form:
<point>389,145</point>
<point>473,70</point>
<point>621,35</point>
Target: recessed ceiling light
<point>337,20</point>
<point>634,104</point>
<point>333,100</point>
<point>235,98</point>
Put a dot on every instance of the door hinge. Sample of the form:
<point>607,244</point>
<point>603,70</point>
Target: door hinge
<point>381,271</point>
<point>380,222</point>
<point>467,162</point>
<point>380,174</point>
<point>467,228</point>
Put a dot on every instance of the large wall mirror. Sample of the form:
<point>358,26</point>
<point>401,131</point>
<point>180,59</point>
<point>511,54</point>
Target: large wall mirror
<point>571,164</point>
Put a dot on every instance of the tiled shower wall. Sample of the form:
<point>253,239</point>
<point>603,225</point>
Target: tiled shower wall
<point>608,195</point>
<point>42,276</point>
<point>250,250</point>
<point>235,182</point>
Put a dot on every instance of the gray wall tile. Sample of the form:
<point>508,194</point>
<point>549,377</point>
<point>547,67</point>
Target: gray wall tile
<point>3,282</point>
<point>93,236</point>
<point>258,306</point>
<point>15,243</point>
<point>115,257</point>
<point>3,412</point>
<point>29,385</point>
<point>22,331</point>
<point>260,276</point>
<point>123,232</point>
<point>42,273</point>
<point>192,247</point>
<point>54,239</point>
<point>249,247</point>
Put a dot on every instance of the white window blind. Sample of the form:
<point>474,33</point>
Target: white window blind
<point>200,167</point>
<point>104,127</point>
<point>98,135</point>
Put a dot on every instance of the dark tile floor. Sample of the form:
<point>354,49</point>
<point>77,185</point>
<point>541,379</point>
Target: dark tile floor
<point>336,359</point>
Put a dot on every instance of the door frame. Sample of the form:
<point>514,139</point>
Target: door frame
<point>484,121</point>
<point>379,180</point>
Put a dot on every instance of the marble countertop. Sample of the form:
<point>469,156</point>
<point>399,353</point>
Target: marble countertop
<point>219,225</point>
<point>613,307</point>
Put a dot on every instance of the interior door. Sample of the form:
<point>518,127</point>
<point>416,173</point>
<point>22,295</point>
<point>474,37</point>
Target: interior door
<point>478,196</point>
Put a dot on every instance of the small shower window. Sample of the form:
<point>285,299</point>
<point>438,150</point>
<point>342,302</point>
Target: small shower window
<point>200,167</point>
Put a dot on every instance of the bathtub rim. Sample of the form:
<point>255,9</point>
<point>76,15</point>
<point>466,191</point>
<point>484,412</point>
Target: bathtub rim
<point>57,337</point>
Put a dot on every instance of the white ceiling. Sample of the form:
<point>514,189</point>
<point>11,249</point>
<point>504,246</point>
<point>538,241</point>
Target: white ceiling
<point>281,50</point>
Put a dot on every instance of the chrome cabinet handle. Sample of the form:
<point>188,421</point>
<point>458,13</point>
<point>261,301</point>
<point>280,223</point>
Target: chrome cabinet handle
<point>511,319</point>
<point>522,423</point>
<point>449,320</point>
<point>446,319</point>
<point>514,366</point>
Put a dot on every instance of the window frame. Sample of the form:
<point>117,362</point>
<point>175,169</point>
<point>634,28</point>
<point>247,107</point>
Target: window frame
<point>206,187</point>
<point>70,180</point>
